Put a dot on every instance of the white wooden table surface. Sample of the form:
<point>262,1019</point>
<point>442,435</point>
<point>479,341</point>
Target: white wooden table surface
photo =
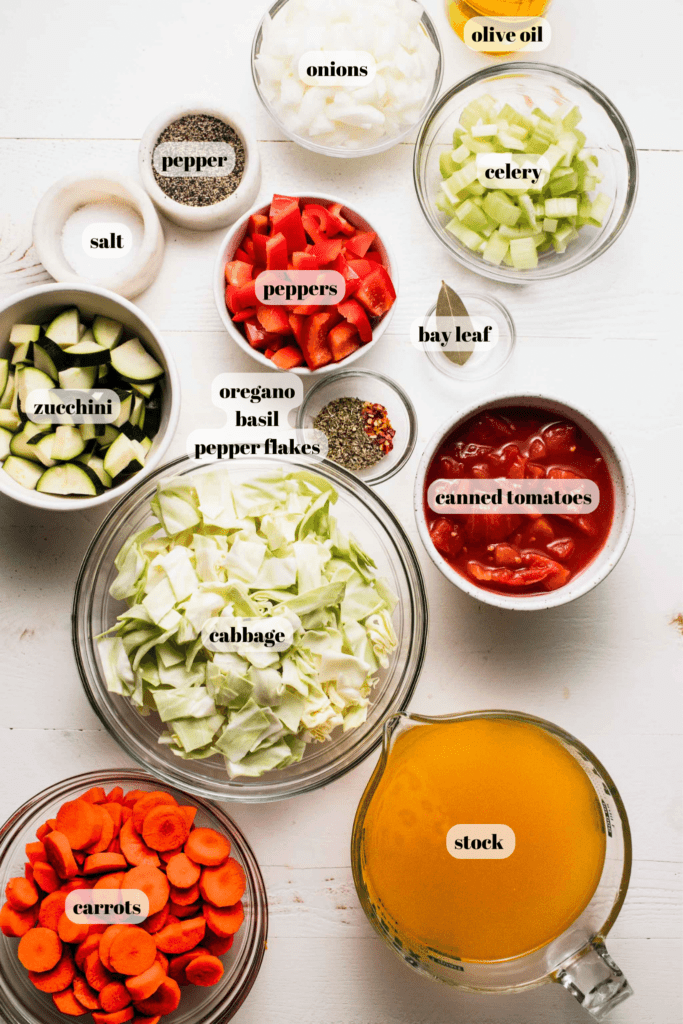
<point>79,81</point>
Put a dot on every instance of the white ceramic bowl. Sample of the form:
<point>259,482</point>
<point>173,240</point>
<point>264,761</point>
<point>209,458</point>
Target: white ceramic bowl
<point>624,504</point>
<point>40,304</point>
<point>231,244</point>
<point>76,190</point>
<point>218,215</point>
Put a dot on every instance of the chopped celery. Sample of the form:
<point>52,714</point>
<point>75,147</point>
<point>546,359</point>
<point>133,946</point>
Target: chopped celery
<point>570,120</point>
<point>523,253</point>
<point>447,165</point>
<point>500,208</point>
<point>460,154</point>
<point>471,216</point>
<point>496,249</point>
<point>550,225</point>
<point>600,207</point>
<point>564,207</point>
<point>482,131</point>
<point>564,183</point>
<point>464,234</point>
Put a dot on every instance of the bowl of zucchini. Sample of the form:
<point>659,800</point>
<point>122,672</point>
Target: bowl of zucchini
<point>78,340</point>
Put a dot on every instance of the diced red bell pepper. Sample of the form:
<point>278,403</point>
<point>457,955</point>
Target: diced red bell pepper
<point>298,325</point>
<point>288,357</point>
<point>274,319</point>
<point>327,250</point>
<point>258,224</point>
<point>362,267</point>
<point>248,247</point>
<point>304,261</point>
<point>314,343</point>
<point>356,315</point>
<point>340,223</point>
<point>360,243</point>
<point>276,252</point>
<point>257,336</point>
<point>243,256</point>
<point>269,353</point>
<point>230,297</point>
<point>317,223</point>
<point>376,292</point>
<point>244,314</point>
<point>238,273</point>
<point>260,251</point>
<point>374,256</point>
<point>348,273</point>
<point>244,296</point>
<point>306,310</point>
<point>343,340</point>
<point>285,217</point>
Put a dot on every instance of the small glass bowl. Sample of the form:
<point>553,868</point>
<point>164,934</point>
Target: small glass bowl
<point>21,1003</point>
<point>607,136</point>
<point>379,147</point>
<point>378,389</point>
<point>482,363</point>
<point>359,511</point>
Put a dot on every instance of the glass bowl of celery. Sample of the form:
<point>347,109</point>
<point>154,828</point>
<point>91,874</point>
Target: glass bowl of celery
<point>198,544</point>
<point>538,116</point>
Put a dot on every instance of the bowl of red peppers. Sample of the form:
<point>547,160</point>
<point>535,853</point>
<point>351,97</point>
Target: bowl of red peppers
<point>305,233</point>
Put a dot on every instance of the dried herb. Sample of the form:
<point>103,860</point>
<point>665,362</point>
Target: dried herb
<point>449,304</point>
<point>359,433</point>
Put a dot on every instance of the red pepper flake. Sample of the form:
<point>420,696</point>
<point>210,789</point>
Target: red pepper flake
<point>377,426</point>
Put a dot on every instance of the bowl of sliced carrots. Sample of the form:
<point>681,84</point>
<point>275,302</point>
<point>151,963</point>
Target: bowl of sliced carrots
<point>196,951</point>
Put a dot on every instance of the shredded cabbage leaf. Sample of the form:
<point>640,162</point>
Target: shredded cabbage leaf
<point>264,547</point>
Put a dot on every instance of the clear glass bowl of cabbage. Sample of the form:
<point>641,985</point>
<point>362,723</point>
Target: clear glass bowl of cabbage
<point>538,115</point>
<point>257,537</point>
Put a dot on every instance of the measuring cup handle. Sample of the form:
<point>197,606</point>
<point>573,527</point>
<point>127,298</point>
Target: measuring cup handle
<point>594,979</point>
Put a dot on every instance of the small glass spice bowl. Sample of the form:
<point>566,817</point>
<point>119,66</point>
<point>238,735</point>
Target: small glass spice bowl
<point>372,387</point>
<point>482,363</point>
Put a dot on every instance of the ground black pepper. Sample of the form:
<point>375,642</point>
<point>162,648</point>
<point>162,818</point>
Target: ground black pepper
<point>201,191</point>
<point>359,433</point>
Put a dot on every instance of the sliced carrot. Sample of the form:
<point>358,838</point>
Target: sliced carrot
<point>167,855</point>
<point>165,1000</point>
<point>119,1017</point>
<point>60,855</point>
<point>114,996</point>
<point>51,909</point>
<point>96,795</point>
<point>185,896</point>
<point>79,857</point>
<point>146,1020</point>
<point>132,952</point>
<point>115,796</point>
<point>182,872</point>
<point>96,974</point>
<point>40,949</point>
<point>163,960</point>
<point>126,813</point>
<point>16,923</point>
<point>145,985</point>
<point>224,921</point>
<point>43,831</point>
<point>193,910</point>
<point>106,830</point>
<point>204,971</point>
<point>164,828</point>
<point>86,996</point>
<point>77,820</point>
<point>181,937</point>
<point>28,871</point>
<point>75,883</point>
<point>133,847</point>
<point>108,937</point>
<point>21,894</point>
<point>177,966</point>
<point>35,851</point>
<point>144,805</point>
<point>133,796</point>
<point>207,847</point>
<point>172,919</point>
<point>71,932</point>
<point>66,1002</point>
<point>58,979</point>
<point>115,812</point>
<point>155,922</point>
<point>98,863</point>
<point>225,885</point>
<point>152,882</point>
<point>216,944</point>
<point>114,846</point>
<point>85,948</point>
<point>97,929</point>
<point>189,813</point>
<point>110,881</point>
<point>45,876</point>
<point>52,822</point>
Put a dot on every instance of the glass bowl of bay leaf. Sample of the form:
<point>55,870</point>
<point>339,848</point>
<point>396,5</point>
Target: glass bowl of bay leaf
<point>469,336</point>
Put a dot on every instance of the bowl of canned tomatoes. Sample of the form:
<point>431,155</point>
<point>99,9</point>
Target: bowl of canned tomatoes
<point>536,541</point>
<point>304,242</point>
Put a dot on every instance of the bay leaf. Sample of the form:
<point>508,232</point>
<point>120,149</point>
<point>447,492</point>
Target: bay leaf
<point>450,304</point>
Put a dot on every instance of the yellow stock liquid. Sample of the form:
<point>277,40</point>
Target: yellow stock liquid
<point>482,771</point>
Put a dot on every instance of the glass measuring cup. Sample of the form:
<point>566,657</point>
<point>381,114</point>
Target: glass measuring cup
<point>577,957</point>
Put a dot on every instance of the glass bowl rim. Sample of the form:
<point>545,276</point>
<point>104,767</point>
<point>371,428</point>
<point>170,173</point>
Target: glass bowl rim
<point>325,382</point>
<point>519,69</point>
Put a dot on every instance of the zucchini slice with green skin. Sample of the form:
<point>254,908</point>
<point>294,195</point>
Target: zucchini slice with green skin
<point>4,375</point>
<point>65,329</point>
<point>6,438</point>
<point>108,435</point>
<point>23,472</point>
<point>10,420</point>
<point>70,479</point>
<point>107,332</point>
<point>126,406</point>
<point>97,466</point>
<point>49,358</point>
<point>8,393</point>
<point>30,379</point>
<point>121,454</point>
<point>78,378</point>
<point>43,448</point>
<point>22,354</point>
<point>133,362</point>
<point>22,334</point>
<point>68,444</point>
<point>21,443</point>
<point>87,353</point>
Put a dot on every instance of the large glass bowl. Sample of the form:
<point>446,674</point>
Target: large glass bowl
<point>607,136</point>
<point>21,1003</point>
<point>310,143</point>
<point>375,527</point>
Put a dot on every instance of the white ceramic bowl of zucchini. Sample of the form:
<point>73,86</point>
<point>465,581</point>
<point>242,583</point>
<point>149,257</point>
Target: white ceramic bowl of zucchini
<point>79,338</point>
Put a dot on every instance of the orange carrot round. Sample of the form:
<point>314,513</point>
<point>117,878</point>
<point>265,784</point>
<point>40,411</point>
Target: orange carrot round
<point>176,968</point>
<point>144,985</point>
<point>132,952</point>
<point>152,882</point>
<point>66,1002</point>
<point>108,937</point>
<point>96,795</point>
<point>217,944</point>
<point>184,897</point>
<point>110,881</point>
<point>182,872</point>
<point>155,922</point>
<point>207,847</point>
<point>60,855</point>
<point>85,948</point>
<point>40,950</point>
<point>144,805</point>
<point>181,937</point>
<point>21,894</point>
<point>204,971</point>
<point>133,847</point>
<point>224,921</point>
<point>96,974</point>
<point>45,876</point>
<point>106,824</point>
<point>35,851</point>
<point>77,820</point>
<point>51,909</point>
<point>56,980</point>
<point>98,863</point>
<point>118,1017</point>
<point>115,812</point>
<point>225,885</point>
<point>114,996</point>
<point>70,932</point>
<point>165,1000</point>
<point>75,883</point>
<point>17,922</point>
<point>86,996</point>
<point>164,828</point>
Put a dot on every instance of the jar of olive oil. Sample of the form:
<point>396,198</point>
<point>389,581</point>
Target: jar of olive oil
<point>459,12</point>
